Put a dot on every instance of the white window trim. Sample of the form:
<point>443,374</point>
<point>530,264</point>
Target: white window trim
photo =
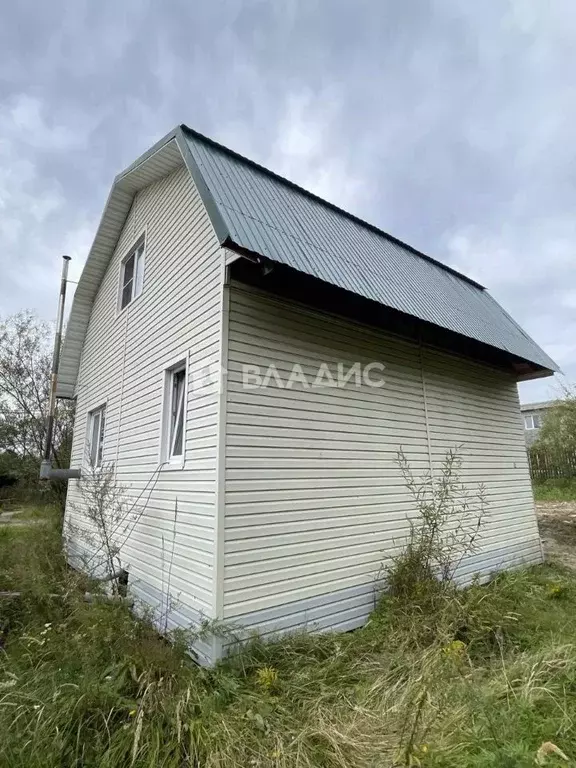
<point>529,419</point>
<point>99,410</point>
<point>168,461</point>
<point>138,279</point>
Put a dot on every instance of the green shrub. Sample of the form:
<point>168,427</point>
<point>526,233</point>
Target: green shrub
<point>558,489</point>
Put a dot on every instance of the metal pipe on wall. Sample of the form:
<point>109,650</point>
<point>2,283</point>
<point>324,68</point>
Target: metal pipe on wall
<point>46,471</point>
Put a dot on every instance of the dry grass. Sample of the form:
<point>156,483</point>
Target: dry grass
<point>478,678</point>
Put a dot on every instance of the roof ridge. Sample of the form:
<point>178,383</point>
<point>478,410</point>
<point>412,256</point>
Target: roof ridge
<point>332,206</point>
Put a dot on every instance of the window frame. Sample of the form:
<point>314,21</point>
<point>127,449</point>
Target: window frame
<point>535,421</point>
<point>138,252</point>
<point>168,458</point>
<point>100,413</point>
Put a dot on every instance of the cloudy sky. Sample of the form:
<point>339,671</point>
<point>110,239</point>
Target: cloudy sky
<point>450,124</point>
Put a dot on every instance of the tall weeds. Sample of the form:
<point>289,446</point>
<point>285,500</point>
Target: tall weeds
<point>481,677</point>
<point>96,526</point>
<point>444,531</point>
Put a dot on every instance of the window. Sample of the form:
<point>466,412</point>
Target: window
<point>175,413</point>
<point>96,436</point>
<point>132,275</point>
<point>532,421</point>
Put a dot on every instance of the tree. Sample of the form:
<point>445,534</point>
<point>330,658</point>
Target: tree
<point>556,441</point>
<point>25,363</point>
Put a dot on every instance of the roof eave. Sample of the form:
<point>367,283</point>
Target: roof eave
<point>146,155</point>
<point>160,160</point>
<point>521,368</point>
<point>539,372</point>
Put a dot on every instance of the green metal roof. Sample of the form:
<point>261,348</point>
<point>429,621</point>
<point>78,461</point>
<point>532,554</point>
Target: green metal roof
<point>256,210</point>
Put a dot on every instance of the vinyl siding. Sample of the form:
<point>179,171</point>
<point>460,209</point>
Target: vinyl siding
<point>315,501</point>
<point>125,355</point>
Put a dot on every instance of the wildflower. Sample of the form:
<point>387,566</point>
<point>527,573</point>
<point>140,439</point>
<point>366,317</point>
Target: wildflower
<point>454,650</point>
<point>556,590</point>
<point>267,677</point>
<point>416,755</point>
<point>132,713</point>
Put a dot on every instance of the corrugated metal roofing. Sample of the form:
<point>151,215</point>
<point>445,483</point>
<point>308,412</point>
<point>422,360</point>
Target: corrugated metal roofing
<point>257,210</point>
<point>269,215</point>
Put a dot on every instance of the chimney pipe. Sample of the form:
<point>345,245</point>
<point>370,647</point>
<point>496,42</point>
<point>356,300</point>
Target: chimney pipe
<point>46,471</point>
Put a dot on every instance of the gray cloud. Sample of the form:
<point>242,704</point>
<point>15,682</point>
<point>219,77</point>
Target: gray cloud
<point>448,124</point>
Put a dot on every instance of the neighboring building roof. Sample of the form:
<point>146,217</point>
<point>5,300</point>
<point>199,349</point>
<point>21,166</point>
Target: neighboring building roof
<point>255,211</point>
<point>541,406</point>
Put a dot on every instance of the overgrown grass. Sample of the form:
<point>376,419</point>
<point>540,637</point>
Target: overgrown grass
<point>561,489</point>
<point>477,678</point>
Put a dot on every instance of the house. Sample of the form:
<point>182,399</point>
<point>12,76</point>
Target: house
<point>250,358</point>
<point>533,415</point>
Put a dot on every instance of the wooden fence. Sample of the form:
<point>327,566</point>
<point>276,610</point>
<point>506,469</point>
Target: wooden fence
<point>546,464</point>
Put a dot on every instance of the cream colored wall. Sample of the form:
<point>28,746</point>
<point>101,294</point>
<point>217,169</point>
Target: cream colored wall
<point>170,551</point>
<point>315,502</point>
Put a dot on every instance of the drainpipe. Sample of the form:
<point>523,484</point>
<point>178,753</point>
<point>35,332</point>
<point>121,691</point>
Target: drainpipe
<point>46,470</point>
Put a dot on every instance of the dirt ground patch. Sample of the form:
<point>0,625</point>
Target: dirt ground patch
<point>557,523</point>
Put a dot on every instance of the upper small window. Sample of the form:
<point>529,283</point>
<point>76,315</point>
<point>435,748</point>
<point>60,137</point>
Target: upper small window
<point>176,386</point>
<point>96,420</point>
<point>132,275</point>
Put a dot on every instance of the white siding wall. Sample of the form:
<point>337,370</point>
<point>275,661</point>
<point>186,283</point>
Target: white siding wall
<point>315,501</point>
<point>124,358</point>
<point>476,407</point>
